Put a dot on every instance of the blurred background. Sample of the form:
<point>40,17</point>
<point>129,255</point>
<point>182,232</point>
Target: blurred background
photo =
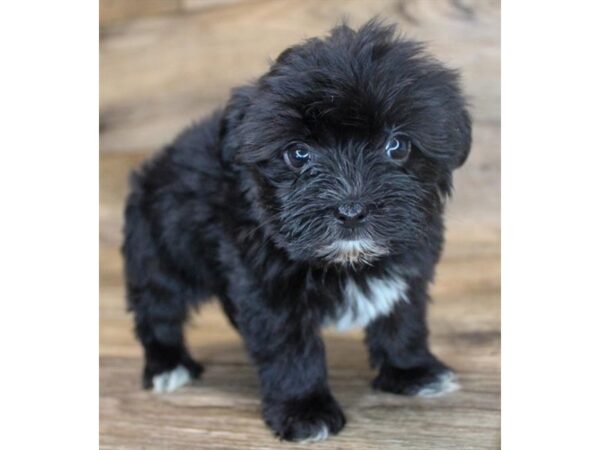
<point>166,63</point>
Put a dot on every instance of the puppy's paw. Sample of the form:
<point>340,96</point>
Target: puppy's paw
<point>171,380</point>
<point>445,383</point>
<point>161,379</point>
<point>310,419</point>
<point>421,381</point>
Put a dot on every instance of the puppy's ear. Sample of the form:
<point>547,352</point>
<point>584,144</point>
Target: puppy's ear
<point>445,133</point>
<point>462,137</point>
<point>231,124</point>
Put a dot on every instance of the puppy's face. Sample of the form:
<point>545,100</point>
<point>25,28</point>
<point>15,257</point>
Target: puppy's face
<point>349,144</point>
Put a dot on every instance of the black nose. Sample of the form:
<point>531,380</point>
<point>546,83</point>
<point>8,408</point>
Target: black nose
<point>350,214</point>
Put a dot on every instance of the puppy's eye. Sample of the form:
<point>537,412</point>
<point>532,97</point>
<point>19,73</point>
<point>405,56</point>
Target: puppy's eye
<point>398,148</point>
<point>296,157</point>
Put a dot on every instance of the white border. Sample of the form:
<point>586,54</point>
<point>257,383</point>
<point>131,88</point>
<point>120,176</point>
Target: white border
<point>49,225</point>
<point>550,224</point>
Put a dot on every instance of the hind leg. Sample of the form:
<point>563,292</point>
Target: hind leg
<point>159,319</point>
<point>159,297</point>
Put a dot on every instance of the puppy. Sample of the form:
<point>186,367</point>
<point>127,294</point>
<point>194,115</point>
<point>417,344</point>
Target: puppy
<point>314,198</point>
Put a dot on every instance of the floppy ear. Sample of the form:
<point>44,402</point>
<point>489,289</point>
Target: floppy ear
<point>447,136</point>
<point>233,118</point>
<point>455,137</point>
<point>462,131</point>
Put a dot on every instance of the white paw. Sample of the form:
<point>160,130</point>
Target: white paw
<point>169,381</point>
<point>446,383</point>
<point>321,435</point>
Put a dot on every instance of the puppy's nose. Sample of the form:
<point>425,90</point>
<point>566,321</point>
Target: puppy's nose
<point>351,213</point>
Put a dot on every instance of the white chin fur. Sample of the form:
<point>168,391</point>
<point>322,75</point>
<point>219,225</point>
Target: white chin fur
<point>446,383</point>
<point>169,381</point>
<point>352,251</point>
<point>322,434</point>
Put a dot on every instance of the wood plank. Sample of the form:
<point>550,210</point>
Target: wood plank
<point>117,11</point>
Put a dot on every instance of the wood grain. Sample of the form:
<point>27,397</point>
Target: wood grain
<point>115,11</point>
<point>164,64</point>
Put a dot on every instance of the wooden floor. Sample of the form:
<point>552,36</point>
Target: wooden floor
<point>164,63</point>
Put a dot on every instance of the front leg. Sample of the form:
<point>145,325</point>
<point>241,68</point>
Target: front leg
<point>290,355</point>
<point>398,348</point>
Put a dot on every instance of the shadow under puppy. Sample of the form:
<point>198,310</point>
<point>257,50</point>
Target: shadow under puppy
<point>315,198</point>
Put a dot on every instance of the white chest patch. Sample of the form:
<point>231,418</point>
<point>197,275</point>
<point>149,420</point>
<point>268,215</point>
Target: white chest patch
<point>362,305</point>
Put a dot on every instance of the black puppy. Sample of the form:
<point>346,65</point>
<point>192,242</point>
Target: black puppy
<point>315,198</point>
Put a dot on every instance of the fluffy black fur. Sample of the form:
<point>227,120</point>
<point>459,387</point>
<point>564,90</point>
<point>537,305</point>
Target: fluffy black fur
<point>219,213</point>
